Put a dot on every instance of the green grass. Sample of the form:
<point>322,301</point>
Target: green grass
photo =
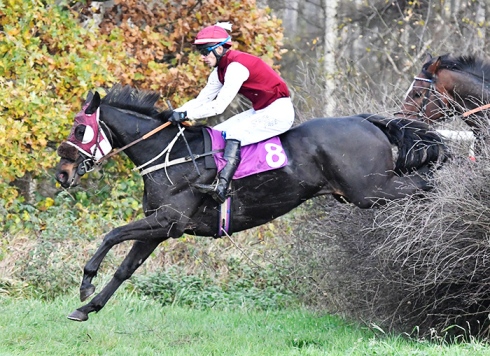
<point>129,325</point>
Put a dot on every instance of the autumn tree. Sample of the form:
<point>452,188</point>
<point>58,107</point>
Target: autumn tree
<point>47,62</point>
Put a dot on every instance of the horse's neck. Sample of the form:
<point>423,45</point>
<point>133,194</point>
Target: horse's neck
<point>124,127</point>
<point>470,91</point>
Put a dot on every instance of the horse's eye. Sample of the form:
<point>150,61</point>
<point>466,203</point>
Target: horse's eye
<point>417,95</point>
<point>80,132</point>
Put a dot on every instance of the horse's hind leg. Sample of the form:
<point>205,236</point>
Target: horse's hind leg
<point>135,258</point>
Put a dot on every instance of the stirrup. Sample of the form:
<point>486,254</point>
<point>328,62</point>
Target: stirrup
<point>207,188</point>
<point>212,189</point>
<point>218,197</point>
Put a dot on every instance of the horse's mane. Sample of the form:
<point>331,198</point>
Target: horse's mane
<point>466,63</point>
<point>136,100</point>
<point>128,98</point>
<point>417,143</point>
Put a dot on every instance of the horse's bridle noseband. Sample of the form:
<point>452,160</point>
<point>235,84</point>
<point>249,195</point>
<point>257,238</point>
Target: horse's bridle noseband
<point>86,165</point>
<point>425,102</point>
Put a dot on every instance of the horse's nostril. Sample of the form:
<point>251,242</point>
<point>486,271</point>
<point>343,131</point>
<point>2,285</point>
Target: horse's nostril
<point>62,177</point>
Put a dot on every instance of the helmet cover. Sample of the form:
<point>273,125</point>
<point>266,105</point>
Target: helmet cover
<point>213,34</point>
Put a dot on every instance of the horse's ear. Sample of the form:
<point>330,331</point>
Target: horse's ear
<point>428,57</point>
<point>432,69</point>
<point>89,97</point>
<point>94,104</point>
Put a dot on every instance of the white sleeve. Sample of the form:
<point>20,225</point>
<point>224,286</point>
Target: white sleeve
<point>204,105</point>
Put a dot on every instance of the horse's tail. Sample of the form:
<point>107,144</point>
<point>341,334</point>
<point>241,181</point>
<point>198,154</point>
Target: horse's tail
<point>418,145</point>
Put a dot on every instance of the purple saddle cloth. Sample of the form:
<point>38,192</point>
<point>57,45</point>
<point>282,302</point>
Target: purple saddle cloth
<point>256,158</point>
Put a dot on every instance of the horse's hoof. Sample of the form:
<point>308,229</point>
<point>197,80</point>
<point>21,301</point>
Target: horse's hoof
<point>77,315</point>
<point>85,293</point>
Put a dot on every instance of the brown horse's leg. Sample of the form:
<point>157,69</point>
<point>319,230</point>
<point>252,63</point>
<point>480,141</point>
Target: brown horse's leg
<point>135,258</point>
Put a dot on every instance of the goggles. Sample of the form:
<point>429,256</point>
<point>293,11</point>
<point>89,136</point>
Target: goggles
<point>206,50</point>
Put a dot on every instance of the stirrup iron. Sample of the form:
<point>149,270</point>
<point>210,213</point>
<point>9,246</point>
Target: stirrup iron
<point>207,188</point>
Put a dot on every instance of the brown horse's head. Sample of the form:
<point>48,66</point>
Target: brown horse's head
<point>447,86</point>
<point>428,97</point>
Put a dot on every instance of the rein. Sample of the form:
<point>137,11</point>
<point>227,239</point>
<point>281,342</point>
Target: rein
<point>144,137</point>
<point>478,109</point>
<point>192,157</point>
<point>87,167</point>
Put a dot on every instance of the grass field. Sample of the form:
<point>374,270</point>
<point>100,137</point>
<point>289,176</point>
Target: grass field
<point>129,325</point>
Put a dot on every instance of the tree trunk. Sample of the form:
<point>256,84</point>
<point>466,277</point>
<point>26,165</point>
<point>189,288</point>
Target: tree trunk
<point>330,8</point>
<point>290,16</point>
<point>480,20</point>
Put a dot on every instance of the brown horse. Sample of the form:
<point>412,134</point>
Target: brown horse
<point>447,86</point>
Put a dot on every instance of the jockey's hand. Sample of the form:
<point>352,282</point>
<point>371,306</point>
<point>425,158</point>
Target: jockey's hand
<point>177,117</point>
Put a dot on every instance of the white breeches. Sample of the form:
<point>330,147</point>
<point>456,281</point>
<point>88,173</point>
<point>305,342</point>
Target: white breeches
<point>254,126</point>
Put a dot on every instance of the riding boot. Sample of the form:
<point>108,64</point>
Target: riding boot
<point>219,191</point>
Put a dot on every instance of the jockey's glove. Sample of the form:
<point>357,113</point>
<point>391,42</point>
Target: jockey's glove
<point>178,116</point>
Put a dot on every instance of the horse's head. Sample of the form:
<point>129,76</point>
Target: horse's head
<point>427,99</point>
<point>86,144</point>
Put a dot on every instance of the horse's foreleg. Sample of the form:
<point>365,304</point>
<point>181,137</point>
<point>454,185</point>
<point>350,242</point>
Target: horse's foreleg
<point>150,228</point>
<point>135,258</point>
<point>393,189</point>
<point>90,270</point>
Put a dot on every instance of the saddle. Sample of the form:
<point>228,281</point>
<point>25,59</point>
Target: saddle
<point>258,157</point>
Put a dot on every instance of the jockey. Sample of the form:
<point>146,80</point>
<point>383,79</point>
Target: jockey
<point>233,73</point>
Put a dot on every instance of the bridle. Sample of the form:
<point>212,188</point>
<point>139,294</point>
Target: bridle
<point>427,97</point>
<point>92,148</point>
<point>428,92</point>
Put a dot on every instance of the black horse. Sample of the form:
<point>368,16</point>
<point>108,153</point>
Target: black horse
<point>365,160</point>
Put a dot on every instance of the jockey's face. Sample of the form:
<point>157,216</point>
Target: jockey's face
<point>210,59</point>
